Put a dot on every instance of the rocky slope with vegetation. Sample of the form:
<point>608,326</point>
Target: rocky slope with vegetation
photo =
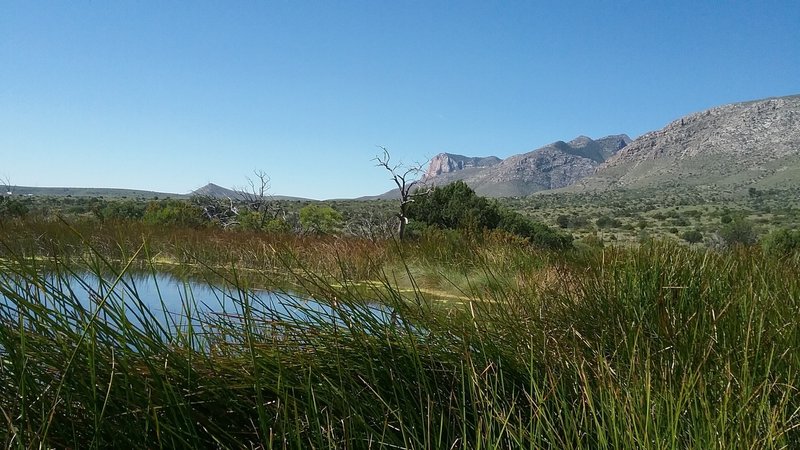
<point>750,144</point>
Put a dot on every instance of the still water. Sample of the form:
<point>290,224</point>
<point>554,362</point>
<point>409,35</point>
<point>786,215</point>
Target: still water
<point>172,301</point>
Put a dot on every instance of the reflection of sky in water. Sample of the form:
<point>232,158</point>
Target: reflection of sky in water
<point>172,300</point>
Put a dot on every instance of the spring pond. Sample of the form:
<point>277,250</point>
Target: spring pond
<point>170,301</point>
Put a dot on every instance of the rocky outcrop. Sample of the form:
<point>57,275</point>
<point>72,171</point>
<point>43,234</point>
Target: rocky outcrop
<point>447,163</point>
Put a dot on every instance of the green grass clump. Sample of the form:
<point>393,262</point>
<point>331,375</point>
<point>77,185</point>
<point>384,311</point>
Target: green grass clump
<point>658,346</point>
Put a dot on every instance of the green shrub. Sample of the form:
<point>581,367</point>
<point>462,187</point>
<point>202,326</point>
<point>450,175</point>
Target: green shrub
<point>254,221</point>
<point>680,221</point>
<point>692,236</point>
<point>782,242</point>
<point>562,221</point>
<point>565,221</point>
<point>738,232</point>
<point>457,206</point>
<point>538,234</point>
<point>249,220</point>
<point>607,222</point>
<point>318,219</point>
<point>277,226</point>
<point>174,213</point>
<point>593,240</point>
<point>12,208</point>
<point>120,210</point>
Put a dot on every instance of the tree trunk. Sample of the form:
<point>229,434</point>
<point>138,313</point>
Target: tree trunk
<point>401,230</point>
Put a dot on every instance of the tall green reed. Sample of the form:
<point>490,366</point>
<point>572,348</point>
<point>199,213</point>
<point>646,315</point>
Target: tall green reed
<point>658,347</point>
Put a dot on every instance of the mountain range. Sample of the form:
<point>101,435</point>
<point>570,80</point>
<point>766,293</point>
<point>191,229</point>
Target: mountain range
<point>553,166</point>
<point>754,143</point>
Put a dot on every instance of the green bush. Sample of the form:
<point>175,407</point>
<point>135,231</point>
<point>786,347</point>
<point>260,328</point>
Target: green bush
<point>456,206</point>
<point>538,234</point>
<point>277,226</point>
<point>738,232</point>
<point>680,221</point>
<point>120,210</point>
<point>317,219</point>
<point>565,221</point>
<point>781,242</point>
<point>249,220</point>
<point>13,208</point>
<point>174,213</point>
<point>562,221</point>
<point>692,236</point>
<point>607,222</point>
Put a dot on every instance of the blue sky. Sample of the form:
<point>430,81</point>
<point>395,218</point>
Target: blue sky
<point>168,96</point>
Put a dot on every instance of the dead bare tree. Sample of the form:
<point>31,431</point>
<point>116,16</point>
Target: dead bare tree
<point>404,176</point>
<point>256,196</point>
<point>218,210</point>
<point>5,186</point>
<point>227,209</point>
<point>370,225</point>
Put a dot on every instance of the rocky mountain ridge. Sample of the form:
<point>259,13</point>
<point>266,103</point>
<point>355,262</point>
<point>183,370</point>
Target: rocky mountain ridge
<point>553,166</point>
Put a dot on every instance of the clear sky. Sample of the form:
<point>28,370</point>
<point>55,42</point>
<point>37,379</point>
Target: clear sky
<point>168,96</point>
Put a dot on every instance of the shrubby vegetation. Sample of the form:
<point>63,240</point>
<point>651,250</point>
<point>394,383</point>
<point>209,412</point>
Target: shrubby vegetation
<point>456,206</point>
<point>692,236</point>
<point>782,242</point>
<point>174,213</point>
<point>120,210</point>
<point>618,216</point>
<point>319,219</point>
<point>739,231</point>
<point>13,208</point>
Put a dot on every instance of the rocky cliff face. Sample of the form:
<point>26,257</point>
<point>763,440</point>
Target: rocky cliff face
<point>553,166</point>
<point>754,142</point>
<point>446,163</point>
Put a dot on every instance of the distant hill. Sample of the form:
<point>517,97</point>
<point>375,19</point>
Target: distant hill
<point>553,166</point>
<point>210,189</point>
<point>754,143</point>
<point>216,191</point>
<point>90,192</point>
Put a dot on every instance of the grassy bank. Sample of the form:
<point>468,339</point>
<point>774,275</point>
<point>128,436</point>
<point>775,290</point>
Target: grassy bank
<point>658,346</point>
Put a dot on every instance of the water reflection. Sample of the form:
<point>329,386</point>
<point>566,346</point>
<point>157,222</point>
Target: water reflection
<point>174,302</point>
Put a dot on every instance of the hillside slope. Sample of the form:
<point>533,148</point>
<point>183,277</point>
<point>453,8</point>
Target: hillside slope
<point>754,143</point>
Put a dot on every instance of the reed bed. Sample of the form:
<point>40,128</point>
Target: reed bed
<point>659,346</point>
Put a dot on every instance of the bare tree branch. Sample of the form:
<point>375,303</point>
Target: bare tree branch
<point>257,197</point>
<point>5,186</point>
<point>405,177</point>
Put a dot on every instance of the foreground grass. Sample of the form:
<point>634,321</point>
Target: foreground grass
<point>654,347</point>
